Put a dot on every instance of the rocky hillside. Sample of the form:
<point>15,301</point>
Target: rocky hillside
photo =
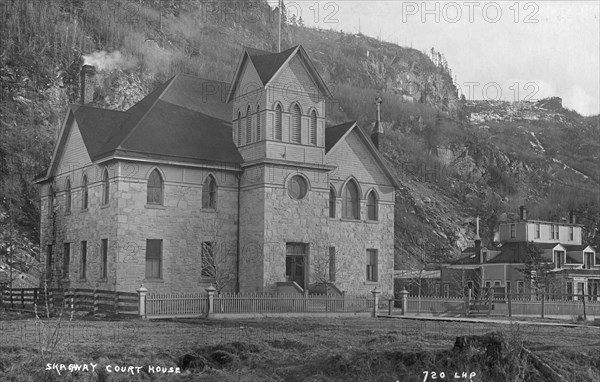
<point>455,159</point>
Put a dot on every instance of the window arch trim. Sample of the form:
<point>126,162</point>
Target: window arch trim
<point>355,212</point>
<point>372,209</point>
<point>249,124</point>
<point>160,197</point>
<point>209,196</point>
<point>105,187</point>
<point>296,125</point>
<point>278,127</point>
<point>85,191</point>
<point>313,126</point>
<point>333,196</point>
<point>68,196</point>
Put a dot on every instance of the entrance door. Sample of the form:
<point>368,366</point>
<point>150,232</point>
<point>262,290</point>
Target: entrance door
<point>295,261</point>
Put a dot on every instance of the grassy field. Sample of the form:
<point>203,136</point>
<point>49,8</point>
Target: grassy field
<point>294,349</point>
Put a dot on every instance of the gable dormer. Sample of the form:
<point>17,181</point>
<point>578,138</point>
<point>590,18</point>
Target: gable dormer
<point>278,102</point>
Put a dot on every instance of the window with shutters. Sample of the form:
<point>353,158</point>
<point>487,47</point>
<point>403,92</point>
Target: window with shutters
<point>278,117</point>
<point>155,188</point>
<point>296,123</point>
<point>313,127</point>
<point>248,125</point>
<point>153,258</point>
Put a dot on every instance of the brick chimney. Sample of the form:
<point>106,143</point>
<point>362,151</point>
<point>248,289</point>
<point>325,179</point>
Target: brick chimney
<point>88,83</point>
<point>377,129</point>
<point>523,211</point>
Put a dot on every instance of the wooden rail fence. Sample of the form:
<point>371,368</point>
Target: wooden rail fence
<point>78,300</point>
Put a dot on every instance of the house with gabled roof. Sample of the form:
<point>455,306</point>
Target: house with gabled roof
<point>241,186</point>
<point>575,266</point>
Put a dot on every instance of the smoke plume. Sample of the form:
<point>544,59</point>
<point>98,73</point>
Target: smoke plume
<point>109,61</point>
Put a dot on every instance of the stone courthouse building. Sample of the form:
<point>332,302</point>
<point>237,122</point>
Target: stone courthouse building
<point>238,185</point>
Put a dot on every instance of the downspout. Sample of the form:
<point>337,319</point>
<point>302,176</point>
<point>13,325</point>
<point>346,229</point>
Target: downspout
<point>237,259</point>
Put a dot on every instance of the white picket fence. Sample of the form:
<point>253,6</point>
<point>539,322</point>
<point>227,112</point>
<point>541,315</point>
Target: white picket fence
<point>199,304</point>
<point>291,303</point>
<point>176,305</point>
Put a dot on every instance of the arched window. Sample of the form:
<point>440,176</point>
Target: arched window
<point>248,125</point>
<point>372,206</point>
<point>105,187</point>
<point>351,201</point>
<point>278,129</point>
<point>84,192</point>
<point>239,128</point>
<point>155,188</point>
<point>296,123</point>
<point>68,196</point>
<point>209,193</point>
<point>51,201</point>
<point>331,202</point>
<point>258,123</point>
<point>313,127</point>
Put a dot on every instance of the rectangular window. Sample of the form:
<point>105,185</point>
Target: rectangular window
<point>570,290</point>
<point>570,233</point>
<point>153,258</point>
<point>371,265</point>
<point>513,230</point>
<point>49,262</point>
<point>589,260</point>
<point>497,283</point>
<point>558,259</point>
<point>508,290</point>
<point>83,272</point>
<point>331,263</point>
<point>488,284</point>
<point>520,286</point>
<point>207,260</point>
<point>66,259</point>
<point>537,230</point>
<point>437,289</point>
<point>104,258</point>
<point>446,290</point>
<point>554,232</point>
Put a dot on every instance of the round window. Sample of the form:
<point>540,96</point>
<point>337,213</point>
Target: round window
<point>297,187</point>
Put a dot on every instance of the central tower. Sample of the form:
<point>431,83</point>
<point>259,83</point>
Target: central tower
<point>278,125</point>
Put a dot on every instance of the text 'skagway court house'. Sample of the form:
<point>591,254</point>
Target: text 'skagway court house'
<point>249,192</point>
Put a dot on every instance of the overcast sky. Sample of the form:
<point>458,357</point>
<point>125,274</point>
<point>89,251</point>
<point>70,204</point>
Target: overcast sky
<point>514,50</point>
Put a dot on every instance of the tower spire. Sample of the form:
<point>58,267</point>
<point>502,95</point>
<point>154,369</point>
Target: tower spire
<point>377,128</point>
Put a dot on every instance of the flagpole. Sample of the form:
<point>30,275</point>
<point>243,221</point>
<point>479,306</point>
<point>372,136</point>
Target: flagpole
<point>279,34</point>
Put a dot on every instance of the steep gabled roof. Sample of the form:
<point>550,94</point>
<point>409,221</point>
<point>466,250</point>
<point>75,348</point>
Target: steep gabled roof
<point>185,119</point>
<point>269,64</point>
<point>335,134</point>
